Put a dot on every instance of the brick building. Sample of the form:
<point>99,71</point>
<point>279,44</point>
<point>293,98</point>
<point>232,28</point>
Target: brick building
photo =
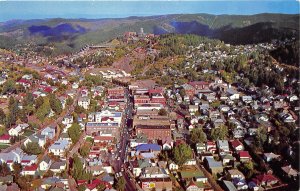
<point>154,132</point>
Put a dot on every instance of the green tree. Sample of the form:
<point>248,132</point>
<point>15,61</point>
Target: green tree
<point>69,101</point>
<point>2,116</point>
<point>74,132</point>
<point>17,167</point>
<point>11,118</point>
<point>85,149</point>
<point>4,169</point>
<point>32,148</point>
<point>78,172</point>
<point>120,186</point>
<point>9,87</point>
<point>261,136</point>
<point>162,112</point>
<point>39,101</point>
<point>198,136</point>
<point>43,111</point>
<point>78,109</point>
<point>23,116</point>
<point>182,153</point>
<point>182,92</point>
<point>219,133</point>
<point>55,104</point>
<point>101,187</point>
<point>2,130</point>
<point>23,182</point>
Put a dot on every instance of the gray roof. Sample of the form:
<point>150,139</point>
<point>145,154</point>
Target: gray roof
<point>213,163</point>
<point>57,165</point>
<point>229,185</point>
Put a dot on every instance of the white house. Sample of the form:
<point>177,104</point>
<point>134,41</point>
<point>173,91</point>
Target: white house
<point>59,147</point>
<point>30,170</point>
<point>173,166</point>
<point>48,132</point>
<point>16,131</point>
<point>58,166</point>
<point>45,163</point>
<point>232,94</point>
<point>68,119</point>
<point>84,102</point>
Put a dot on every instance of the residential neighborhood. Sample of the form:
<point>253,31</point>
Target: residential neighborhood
<point>104,128</point>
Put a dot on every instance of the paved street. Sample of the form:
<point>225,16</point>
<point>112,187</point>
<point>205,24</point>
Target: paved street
<point>121,152</point>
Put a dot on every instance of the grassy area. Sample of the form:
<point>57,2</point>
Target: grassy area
<point>4,146</point>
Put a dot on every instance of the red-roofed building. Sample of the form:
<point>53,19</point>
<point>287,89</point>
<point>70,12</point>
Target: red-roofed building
<point>30,170</point>
<point>237,145</point>
<point>244,156</point>
<point>95,183</point>
<point>5,138</point>
<point>116,91</point>
<point>266,180</point>
<point>48,90</point>
<point>211,146</point>
<point>24,82</point>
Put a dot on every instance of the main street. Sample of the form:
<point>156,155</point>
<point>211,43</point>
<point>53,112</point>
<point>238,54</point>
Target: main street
<point>119,165</point>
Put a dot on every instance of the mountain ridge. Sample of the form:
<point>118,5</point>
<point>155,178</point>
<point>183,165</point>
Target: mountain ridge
<point>235,29</point>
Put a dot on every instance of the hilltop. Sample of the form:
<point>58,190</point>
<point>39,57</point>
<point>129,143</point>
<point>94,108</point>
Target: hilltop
<point>69,35</point>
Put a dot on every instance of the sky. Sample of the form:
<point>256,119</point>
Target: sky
<point>10,10</point>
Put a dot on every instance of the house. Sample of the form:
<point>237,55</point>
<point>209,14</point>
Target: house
<point>293,98</point>
<point>266,180</point>
<point>160,184</point>
<point>107,168</point>
<point>25,83</point>
<point>193,186</point>
<point>58,166</point>
<point>200,147</point>
<point>289,171</point>
<point>237,145</point>
<point>30,170</point>
<point>148,147</point>
<point>209,97</point>
<point>36,138</point>
<point>214,166</point>
<point>232,94</point>
<point>229,186</point>
<point>28,160</point>
<point>45,163</point>
<point>193,109</point>
<point>68,119</point>
<point>247,99</point>
<point>84,102</point>
<point>223,146</point>
<point>173,166</point>
<point>59,147</point>
<point>137,166</point>
<point>92,186</point>
<point>227,159</point>
<point>268,157</point>
<point>224,108</point>
<point>211,146</point>
<point>244,156</point>
<point>235,173</point>
<point>16,131</point>
<point>240,184</point>
<point>48,132</point>
<point>5,138</point>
